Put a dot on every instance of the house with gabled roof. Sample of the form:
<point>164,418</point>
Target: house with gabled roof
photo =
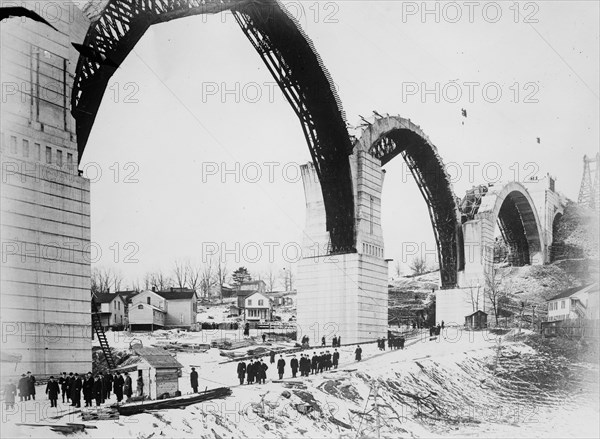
<point>573,303</point>
<point>257,307</point>
<point>182,307</point>
<point>111,309</point>
<point>158,370</point>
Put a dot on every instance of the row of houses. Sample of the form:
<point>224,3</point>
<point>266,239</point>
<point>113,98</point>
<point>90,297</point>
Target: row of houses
<point>177,307</point>
<point>149,309</point>
<point>254,303</point>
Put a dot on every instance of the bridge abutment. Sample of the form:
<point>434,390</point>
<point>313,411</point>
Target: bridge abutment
<point>344,294</point>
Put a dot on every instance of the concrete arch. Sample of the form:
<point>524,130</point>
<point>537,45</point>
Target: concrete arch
<point>513,208</point>
<point>387,137</point>
<point>289,56</point>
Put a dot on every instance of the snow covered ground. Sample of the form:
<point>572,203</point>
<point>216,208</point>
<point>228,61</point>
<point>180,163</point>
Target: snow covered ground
<point>430,389</point>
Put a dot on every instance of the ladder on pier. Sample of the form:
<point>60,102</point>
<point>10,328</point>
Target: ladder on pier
<point>99,330</point>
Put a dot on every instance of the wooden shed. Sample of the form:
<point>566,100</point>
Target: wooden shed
<point>158,369</point>
<point>477,320</point>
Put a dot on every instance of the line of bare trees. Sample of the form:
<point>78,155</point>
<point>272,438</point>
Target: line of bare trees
<point>204,278</point>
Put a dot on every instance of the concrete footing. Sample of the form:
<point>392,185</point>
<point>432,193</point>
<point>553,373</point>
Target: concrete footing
<point>344,296</point>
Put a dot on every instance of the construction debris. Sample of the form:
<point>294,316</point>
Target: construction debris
<point>174,346</point>
<point>173,403</point>
<point>100,414</point>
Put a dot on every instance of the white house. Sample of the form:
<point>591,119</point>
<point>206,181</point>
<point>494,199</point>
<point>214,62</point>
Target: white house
<point>148,309</point>
<point>111,309</point>
<point>577,302</point>
<point>258,307</point>
<point>182,307</point>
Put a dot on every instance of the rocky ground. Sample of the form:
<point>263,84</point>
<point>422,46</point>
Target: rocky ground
<point>460,384</point>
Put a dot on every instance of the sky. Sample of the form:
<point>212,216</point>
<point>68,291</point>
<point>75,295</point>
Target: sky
<point>195,149</point>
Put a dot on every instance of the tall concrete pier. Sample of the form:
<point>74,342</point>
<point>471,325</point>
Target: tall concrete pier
<point>344,294</point>
<point>45,204</point>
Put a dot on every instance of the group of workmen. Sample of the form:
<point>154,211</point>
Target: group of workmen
<point>93,387</point>
<point>72,387</point>
<point>393,342</point>
<point>254,372</point>
<point>25,387</point>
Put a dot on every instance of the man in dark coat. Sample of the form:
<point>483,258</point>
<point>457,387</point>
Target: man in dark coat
<point>263,372</point>
<point>31,385</point>
<point>250,372</point>
<point>280,366</point>
<point>314,363</point>
<point>194,380</point>
<point>23,388</point>
<point>88,389</point>
<point>107,382</point>
<point>10,391</point>
<point>272,354</point>
<point>294,366</point>
<point>358,353</point>
<point>97,389</point>
<point>264,337</point>
<point>323,341</point>
<point>75,388</point>
<point>401,342</point>
<point>241,371</point>
<point>336,359</point>
<point>70,381</point>
<point>63,383</point>
<point>127,388</point>
<point>320,362</point>
<point>52,390</point>
<point>247,329</point>
<point>118,386</point>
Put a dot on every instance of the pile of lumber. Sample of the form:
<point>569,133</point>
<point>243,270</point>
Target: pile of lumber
<point>172,403</point>
<point>174,346</point>
<point>100,414</point>
<point>225,343</point>
<point>66,429</point>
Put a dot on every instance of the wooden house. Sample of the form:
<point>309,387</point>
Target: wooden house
<point>158,369</point>
<point>477,320</point>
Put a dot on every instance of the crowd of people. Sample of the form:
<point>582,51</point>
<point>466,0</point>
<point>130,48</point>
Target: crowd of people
<point>393,342</point>
<point>435,330</point>
<point>256,370</point>
<point>72,387</point>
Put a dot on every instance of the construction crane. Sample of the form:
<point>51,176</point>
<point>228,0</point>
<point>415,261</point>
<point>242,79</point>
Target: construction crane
<point>589,195</point>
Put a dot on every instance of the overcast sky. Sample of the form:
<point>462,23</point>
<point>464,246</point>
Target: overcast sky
<point>172,129</point>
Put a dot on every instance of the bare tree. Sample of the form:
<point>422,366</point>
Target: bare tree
<point>222,274</point>
<point>105,279</point>
<point>158,280</point>
<point>270,278</point>
<point>474,296</point>
<point>193,276</point>
<point>207,278</point>
<point>418,265</point>
<point>180,274</point>
<point>494,288</point>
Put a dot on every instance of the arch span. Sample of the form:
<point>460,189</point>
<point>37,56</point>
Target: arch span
<point>388,137</point>
<point>289,56</point>
<point>511,206</point>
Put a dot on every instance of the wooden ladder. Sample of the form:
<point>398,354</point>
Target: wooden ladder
<point>97,324</point>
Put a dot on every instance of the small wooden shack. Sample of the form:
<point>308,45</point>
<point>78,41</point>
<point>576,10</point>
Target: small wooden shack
<point>158,369</point>
<point>477,320</point>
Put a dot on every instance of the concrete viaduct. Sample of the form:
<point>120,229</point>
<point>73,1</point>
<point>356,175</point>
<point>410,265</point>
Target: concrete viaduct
<point>342,287</point>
